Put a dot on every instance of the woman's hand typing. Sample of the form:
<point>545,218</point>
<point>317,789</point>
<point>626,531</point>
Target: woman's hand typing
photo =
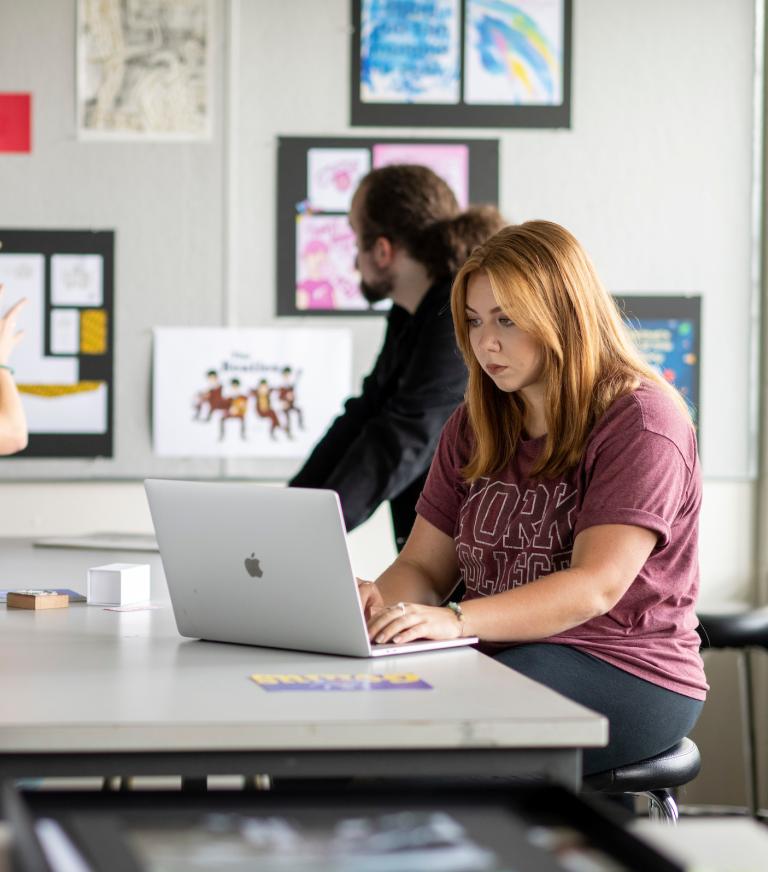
<point>406,622</point>
<point>370,597</point>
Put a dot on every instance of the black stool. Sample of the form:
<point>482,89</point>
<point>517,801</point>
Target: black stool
<point>653,778</point>
<point>741,631</point>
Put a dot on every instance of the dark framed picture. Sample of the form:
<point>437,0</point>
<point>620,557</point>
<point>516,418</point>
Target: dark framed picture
<point>667,331</point>
<point>461,63</point>
<point>316,178</point>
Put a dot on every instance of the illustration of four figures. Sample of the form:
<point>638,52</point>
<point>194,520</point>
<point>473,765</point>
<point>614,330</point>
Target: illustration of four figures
<point>233,403</point>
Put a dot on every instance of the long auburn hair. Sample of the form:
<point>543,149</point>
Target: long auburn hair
<point>544,281</point>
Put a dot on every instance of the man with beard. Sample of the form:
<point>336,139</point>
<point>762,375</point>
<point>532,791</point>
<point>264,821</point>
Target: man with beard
<point>411,240</point>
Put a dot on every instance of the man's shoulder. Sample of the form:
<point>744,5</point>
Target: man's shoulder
<point>436,303</point>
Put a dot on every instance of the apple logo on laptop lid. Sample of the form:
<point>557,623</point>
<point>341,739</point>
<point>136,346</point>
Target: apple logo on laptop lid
<point>252,566</point>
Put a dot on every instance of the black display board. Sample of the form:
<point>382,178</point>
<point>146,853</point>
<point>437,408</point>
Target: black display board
<point>72,272</point>
<point>296,211</point>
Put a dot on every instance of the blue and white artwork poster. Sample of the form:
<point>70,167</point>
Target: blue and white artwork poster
<point>513,53</point>
<point>409,51</point>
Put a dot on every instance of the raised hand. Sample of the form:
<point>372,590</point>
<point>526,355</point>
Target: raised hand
<point>9,336</point>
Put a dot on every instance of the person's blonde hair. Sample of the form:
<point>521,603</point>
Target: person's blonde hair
<point>543,280</point>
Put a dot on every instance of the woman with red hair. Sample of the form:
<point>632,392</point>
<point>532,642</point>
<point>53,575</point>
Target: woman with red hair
<point>565,495</point>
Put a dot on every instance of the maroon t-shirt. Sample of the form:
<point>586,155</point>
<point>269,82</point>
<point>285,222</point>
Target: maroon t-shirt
<point>640,467</point>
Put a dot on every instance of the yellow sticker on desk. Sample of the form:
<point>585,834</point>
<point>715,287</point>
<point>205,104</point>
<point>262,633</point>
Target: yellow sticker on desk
<point>345,681</point>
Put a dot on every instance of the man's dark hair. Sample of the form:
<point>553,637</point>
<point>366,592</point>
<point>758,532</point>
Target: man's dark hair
<point>412,206</point>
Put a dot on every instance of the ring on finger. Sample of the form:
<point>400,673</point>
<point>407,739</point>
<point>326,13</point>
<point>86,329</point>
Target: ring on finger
<point>401,606</point>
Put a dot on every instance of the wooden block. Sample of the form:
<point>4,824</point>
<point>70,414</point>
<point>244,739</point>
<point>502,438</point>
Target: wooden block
<point>37,599</point>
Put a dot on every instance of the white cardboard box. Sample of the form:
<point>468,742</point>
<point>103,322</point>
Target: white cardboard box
<point>118,584</point>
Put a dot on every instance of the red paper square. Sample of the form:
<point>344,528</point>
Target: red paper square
<point>15,122</point>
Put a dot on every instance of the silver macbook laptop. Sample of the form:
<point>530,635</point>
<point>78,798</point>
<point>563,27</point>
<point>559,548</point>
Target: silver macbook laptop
<point>263,566</point>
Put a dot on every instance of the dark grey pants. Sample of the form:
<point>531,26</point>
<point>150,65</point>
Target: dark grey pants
<point>644,719</point>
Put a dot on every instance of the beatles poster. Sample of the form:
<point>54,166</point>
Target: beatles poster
<point>231,392</point>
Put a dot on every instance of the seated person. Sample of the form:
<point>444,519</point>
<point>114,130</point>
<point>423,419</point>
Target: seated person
<point>565,495</point>
<point>13,422</point>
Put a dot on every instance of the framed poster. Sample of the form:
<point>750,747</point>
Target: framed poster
<point>144,69</point>
<point>64,365</point>
<point>461,63</point>
<point>316,178</point>
<point>237,392</point>
<point>667,331</point>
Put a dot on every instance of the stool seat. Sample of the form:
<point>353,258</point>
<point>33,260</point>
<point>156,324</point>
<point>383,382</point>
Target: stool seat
<point>672,768</point>
<point>747,629</point>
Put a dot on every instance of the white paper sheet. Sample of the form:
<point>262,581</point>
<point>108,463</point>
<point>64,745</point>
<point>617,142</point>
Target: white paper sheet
<point>65,331</point>
<point>77,280</point>
<point>144,69</point>
<point>271,413</point>
<point>513,52</point>
<point>82,412</point>
<point>409,53</point>
<point>333,175</point>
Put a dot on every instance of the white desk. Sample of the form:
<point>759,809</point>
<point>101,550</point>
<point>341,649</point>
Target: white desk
<point>87,691</point>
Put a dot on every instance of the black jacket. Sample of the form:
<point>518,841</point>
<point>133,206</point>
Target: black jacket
<point>381,447</point>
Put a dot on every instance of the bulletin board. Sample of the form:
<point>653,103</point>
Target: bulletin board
<point>64,366</point>
<point>461,63</point>
<point>316,178</point>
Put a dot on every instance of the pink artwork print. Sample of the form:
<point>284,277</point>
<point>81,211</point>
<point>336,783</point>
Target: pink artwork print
<point>450,162</point>
<point>326,277</point>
